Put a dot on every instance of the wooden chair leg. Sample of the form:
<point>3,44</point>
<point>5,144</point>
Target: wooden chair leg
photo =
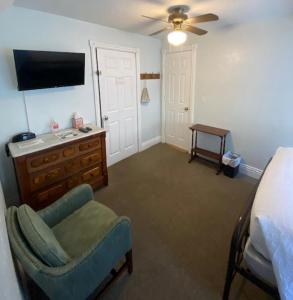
<point>129,261</point>
<point>115,275</point>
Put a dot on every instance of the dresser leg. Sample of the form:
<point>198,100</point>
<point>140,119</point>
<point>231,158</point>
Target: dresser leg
<point>106,180</point>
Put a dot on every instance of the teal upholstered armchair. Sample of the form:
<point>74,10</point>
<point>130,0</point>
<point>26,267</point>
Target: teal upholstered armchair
<point>70,247</point>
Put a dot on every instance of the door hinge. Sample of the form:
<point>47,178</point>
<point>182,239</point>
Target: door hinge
<point>99,72</point>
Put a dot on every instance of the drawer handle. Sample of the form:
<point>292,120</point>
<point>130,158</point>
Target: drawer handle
<point>37,180</point>
<point>52,174</point>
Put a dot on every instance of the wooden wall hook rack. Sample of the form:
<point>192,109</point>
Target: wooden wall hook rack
<point>147,76</point>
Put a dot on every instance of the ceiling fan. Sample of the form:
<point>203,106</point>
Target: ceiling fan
<point>180,22</point>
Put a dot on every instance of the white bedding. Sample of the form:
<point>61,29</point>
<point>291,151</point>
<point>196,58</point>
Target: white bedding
<point>271,226</point>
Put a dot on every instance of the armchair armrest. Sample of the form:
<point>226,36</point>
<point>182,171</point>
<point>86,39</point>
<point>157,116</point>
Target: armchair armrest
<point>67,204</point>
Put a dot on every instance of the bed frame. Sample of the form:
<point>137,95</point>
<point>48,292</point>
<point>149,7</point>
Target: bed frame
<point>238,242</point>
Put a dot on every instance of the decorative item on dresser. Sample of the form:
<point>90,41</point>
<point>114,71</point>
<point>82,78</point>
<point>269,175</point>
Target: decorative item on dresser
<point>52,164</point>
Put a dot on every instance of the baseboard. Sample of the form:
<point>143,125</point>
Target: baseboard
<point>151,142</point>
<point>250,171</point>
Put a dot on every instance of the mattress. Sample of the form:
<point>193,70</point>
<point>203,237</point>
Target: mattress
<point>271,224</point>
<point>274,198</point>
<point>258,264</point>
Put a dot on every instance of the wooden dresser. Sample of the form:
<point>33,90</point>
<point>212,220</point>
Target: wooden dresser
<point>47,170</point>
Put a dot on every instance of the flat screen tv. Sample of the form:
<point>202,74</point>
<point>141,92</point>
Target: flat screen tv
<point>44,69</point>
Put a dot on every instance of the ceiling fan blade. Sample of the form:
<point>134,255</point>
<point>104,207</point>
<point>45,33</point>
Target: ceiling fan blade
<point>154,19</point>
<point>194,30</point>
<point>159,31</point>
<point>202,18</point>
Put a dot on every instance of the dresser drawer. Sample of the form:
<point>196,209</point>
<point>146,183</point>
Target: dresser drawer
<point>70,151</point>
<point>46,177</point>
<point>42,161</point>
<point>72,182</point>
<point>72,166</point>
<point>91,174</point>
<point>49,195</point>
<point>90,145</point>
<point>91,158</point>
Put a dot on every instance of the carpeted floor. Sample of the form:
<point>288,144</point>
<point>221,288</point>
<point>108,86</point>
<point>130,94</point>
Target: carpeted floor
<point>183,216</point>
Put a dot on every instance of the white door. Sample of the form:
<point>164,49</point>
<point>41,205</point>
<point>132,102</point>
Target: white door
<point>118,102</point>
<point>178,98</point>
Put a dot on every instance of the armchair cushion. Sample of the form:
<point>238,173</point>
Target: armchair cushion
<point>41,238</point>
<point>67,204</point>
<point>85,228</point>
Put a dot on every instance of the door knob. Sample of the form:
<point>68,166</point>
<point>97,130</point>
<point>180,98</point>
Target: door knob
<point>186,108</point>
<point>106,118</point>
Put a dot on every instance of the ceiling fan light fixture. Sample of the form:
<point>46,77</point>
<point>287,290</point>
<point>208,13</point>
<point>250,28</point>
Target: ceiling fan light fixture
<point>177,37</point>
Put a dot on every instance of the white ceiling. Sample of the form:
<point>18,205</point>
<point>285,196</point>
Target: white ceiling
<point>126,14</point>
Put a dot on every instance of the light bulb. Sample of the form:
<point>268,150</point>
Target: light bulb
<point>177,37</point>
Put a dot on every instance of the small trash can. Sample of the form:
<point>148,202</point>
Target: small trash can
<point>231,162</point>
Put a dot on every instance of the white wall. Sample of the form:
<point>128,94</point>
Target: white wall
<point>28,29</point>
<point>245,83</point>
<point>9,288</point>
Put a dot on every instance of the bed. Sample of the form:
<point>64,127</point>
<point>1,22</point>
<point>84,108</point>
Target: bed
<point>262,243</point>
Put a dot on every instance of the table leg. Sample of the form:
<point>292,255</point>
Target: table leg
<point>220,158</point>
<point>195,143</point>
<point>223,152</point>
<point>191,151</point>
<point>224,147</point>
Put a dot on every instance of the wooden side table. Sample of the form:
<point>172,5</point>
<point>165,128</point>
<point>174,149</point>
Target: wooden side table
<point>221,133</point>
